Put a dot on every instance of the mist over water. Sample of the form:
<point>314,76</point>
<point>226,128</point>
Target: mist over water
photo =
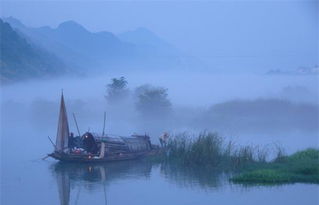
<point>247,108</point>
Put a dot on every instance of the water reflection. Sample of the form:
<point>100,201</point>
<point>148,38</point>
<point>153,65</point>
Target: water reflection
<point>194,176</point>
<point>91,177</point>
<point>63,181</point>
<point>107,183</point>
<point>95,176</point>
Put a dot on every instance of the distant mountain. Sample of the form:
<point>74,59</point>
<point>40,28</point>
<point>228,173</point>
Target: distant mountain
<point>299,71</point>
<point>143,36</point>
<point>151,45</point>
<point>87,50</point>
<point>21,59</point>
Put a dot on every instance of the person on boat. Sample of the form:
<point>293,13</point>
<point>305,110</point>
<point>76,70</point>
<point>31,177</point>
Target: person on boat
<point>89,143</point>
<point>164,139</point>
<point>71,143</point>
<point>149,141</point>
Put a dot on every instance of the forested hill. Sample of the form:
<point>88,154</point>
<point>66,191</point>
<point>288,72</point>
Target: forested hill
<point>102,51</point>
<point>20,59</point>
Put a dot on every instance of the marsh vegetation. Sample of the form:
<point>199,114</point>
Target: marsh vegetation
<point>302,166</point>
<point>247,164</point>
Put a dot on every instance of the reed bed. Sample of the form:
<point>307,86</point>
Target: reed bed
<point>210,149</point>
<point>247,164</point>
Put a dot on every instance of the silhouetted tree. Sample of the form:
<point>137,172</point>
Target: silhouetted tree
<point>117,90</point>
<point>152,101</point>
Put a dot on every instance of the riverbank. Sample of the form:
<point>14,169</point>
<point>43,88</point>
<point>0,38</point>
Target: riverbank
<point>302,167</point>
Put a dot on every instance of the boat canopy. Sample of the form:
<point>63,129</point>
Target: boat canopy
<point>133,143</point>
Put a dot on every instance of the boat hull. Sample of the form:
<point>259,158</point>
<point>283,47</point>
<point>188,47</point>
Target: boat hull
<point>81,158</point>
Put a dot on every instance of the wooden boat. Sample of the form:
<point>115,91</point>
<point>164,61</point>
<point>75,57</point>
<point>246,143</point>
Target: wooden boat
<point>92,147</point>
<point>88,158</point>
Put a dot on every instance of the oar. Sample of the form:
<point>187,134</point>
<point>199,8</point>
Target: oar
<point>52,142</point>
<point>44,158</point>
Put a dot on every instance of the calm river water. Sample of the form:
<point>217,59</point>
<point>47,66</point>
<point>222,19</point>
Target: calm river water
<point>137,182</point>
<point>26,179</point>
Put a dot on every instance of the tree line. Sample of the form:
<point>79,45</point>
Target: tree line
<point>148,100</point>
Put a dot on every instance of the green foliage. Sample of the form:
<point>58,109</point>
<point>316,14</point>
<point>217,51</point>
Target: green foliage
<point>263,176</point>
<point>308,154</point>
<point>302,166</point>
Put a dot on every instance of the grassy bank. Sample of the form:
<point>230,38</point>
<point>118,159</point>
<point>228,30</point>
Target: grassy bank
<point>302,166</point>
<point>209,149</point>
<point>249,162</point>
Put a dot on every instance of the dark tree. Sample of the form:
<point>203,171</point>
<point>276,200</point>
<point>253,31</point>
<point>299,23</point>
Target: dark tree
<point>117,91</point>
<point>152,101</point>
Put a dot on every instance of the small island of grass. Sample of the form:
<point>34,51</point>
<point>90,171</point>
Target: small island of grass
<point>302,166</point>
<point>247,164</point>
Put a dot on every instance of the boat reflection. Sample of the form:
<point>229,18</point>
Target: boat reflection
<point>90,177</point>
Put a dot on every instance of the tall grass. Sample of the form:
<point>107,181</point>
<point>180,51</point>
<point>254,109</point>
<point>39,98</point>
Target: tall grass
<point>210,149</point>
<point>251,163</point>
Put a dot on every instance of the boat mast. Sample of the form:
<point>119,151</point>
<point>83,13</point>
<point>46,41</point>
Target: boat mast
<point>76,124</point>
<point>104,123</point>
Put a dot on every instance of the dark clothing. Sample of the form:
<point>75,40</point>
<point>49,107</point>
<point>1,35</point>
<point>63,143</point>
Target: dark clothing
<point>71,142</point>
<point>89,143</point>
<point>163,143</point>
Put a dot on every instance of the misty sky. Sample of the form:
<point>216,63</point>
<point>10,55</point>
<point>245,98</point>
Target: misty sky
<point>269,34</point>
